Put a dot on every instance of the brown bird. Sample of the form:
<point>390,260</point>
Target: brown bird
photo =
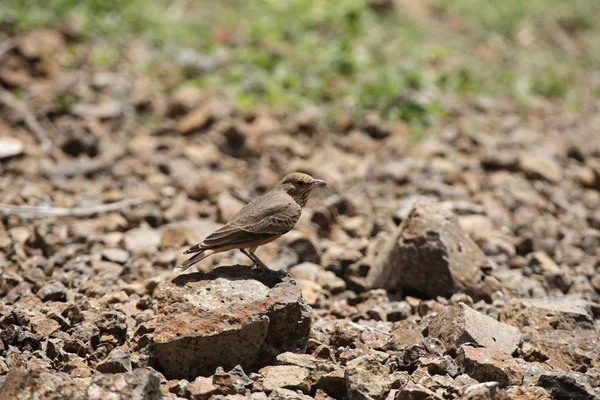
<point>258,222</point>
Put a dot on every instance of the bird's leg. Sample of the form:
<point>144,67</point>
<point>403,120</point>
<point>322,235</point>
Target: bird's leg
<point>257,260</point>
<point>249,256</point>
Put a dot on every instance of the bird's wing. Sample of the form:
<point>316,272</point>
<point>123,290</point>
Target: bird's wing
<point>270,215</point>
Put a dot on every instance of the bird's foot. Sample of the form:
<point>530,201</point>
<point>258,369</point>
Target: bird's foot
<point>263,269</point>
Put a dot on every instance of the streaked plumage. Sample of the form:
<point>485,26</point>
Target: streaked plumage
<point>259,222</point>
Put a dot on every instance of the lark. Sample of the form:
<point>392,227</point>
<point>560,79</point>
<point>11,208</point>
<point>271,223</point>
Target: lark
<point>258,222</point>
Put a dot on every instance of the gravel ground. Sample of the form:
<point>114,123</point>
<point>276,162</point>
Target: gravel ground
<point>461,266</point>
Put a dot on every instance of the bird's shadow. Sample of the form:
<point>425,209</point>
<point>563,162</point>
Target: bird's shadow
<point>233,273</point>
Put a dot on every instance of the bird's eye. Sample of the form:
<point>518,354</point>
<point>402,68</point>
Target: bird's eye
<point>301,183</point>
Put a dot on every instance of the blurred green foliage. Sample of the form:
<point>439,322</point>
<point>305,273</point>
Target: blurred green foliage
<point>349,56</point>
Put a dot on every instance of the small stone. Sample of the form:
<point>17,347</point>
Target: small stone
<point>119,256</point>
<point>416,392</point>
<point>460,324</point>
<point>333,383</point>
<point>112,322</point>
<point>285,376</point>
<point>233,382</point>
<point>572,385</point>
<point>53,291</point>
<point>142,240</point>
<point>367,378</point>
<point>228,206</point>
<point>536,167</point>
<point>10,147</point>
<point>489,364</point>
<point>200,389</point>
<point>286,394</point>
<point>482,391</point>
<point>44,325</point>
<point>442,365</point>
<point>118,360</point>
<point>527,393</point>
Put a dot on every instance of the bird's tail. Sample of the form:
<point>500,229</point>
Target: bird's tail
<point>201,255</point>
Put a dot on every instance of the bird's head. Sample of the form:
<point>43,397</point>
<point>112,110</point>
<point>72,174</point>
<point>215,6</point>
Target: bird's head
<point>299,186</point>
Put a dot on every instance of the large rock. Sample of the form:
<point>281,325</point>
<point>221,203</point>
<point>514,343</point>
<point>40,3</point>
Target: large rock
<point>232,315</point>
<point>430,255</point>
<point>489,365</point>
<point>460,324</point>
<point>140,384</point>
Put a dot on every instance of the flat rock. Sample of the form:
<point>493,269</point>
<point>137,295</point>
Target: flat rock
<point>285,376</point>
<point>489,365</point>
<point>229,316</point>
<point>549,314</point>
<point>431,256</point>
<point>460,324</point>
<point>560,332</point>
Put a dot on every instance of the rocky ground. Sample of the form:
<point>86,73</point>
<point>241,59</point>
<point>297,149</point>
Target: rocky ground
<point>460,266</point>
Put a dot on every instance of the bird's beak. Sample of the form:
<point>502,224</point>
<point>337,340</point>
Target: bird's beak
<point>319,183</point>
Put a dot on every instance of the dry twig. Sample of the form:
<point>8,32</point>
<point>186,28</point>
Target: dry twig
<point>34,212</point>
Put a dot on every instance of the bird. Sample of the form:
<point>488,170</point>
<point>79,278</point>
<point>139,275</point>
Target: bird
<point>259,222</point>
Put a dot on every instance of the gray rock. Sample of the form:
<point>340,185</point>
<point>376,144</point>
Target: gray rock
<point>429,254</point>
<point>118,360</point>
<point>460,324</point>
<point>112,322</point>
<point>229,316</point>
<point>572,385</point>
<point>119,256</point>
<point>489,365</point>
<point>53,291</point>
